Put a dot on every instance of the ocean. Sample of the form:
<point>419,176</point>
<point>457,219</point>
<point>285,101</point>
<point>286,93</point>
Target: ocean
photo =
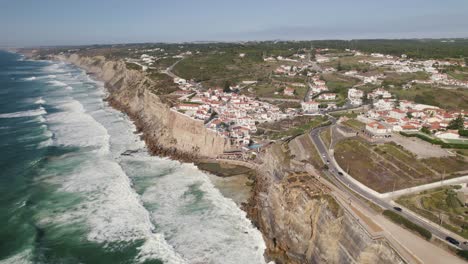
<point>77,185</point>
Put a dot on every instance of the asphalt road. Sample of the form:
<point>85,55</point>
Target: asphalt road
<point>334,171</point>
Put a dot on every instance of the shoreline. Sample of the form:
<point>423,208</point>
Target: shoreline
<point>155,149</point>
<point>284,211</point>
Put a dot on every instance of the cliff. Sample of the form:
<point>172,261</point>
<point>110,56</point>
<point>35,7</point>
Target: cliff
<point>302,222</point>
<point>165,132</point>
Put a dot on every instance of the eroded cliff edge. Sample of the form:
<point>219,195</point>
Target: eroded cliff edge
<point>300,221</point>
<point>166,132</point>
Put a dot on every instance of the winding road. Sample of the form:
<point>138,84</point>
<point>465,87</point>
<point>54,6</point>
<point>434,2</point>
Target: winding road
<point>338,174</point>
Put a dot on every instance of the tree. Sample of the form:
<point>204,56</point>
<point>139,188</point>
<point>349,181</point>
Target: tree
<point>227,87</point>
<point>323,105</point>
<point>425,130</point>
<point>463,133</point>
<point>339,67</point>
<point>457,123</point>
<point>409,115</point>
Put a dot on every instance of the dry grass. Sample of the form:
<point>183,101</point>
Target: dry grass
<point>325,135</point>
<point>384,166</point>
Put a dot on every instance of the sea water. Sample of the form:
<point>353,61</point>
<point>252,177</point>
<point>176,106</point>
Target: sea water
<point>77,185</point>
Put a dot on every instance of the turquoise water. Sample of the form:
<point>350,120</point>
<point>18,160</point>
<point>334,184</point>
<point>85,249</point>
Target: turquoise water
<point>68,195</point>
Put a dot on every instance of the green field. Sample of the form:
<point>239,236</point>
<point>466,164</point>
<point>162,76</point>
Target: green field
<point>162,83</point>
<point>355,124</point>
<point>425,94</point>
<point>326,137</point>
<point>399,79</point>
<point>217,67</point>
<point>288,127</point>
<point>338,83</point>
<point>441,206</point>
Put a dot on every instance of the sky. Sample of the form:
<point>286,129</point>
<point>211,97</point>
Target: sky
<point>78,22</point>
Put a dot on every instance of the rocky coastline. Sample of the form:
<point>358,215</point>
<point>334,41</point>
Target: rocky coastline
<point>299,224</point>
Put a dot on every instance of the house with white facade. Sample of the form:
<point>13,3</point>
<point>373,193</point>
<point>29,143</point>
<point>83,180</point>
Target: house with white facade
<point>377,129</point>
<point>310,106</point>
<point>327,96</point>
<point>289,91</point>
<point>355,96</point>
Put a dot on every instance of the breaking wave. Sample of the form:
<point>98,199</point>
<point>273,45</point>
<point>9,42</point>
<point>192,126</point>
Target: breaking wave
<point>27,113</point>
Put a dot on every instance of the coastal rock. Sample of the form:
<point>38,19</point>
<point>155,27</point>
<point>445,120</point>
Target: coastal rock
<point>166,132</point>
<point>302,223</point>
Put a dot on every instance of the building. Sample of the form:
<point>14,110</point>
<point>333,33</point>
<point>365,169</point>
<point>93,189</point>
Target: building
<point>449,134</point>
<point>289,91</point>
<point>379,92</point>
<point>327,96</point>
<point>355,96</point>
<point>310,106</point>
<point>378,130</point>
<point>462,195</point>
<point>384,104</point>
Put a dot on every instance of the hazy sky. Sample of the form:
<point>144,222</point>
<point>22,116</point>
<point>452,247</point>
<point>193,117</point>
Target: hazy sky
<point>63,22</point>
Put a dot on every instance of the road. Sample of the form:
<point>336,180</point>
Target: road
<point>335,169</point>
<point>168,71</point>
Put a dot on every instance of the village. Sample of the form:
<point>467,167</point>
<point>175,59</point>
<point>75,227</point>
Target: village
<point>236,116</point>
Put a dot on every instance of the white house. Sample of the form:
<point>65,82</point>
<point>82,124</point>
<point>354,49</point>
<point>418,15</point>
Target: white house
<point>327,96</point>
<point>355,95</point>
<point>377,129</point>
<point>397,113</point>
<point>379,92</point>
<point>449,134</point>
<point>188,107</point>
<point>310,106</point>
<point>384,104</point>
<point>289,91</point>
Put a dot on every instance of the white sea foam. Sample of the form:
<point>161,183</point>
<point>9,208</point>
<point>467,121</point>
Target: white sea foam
<point>204,225</point>
<point>218,232</point>
<point>23,257</point>
<point>55,68</point>
<point>112,210</point>
<point>32,78</point>
<point>74,127</point>
<point>40,101</point>
<point>57,83</point>
<point>27,113</point>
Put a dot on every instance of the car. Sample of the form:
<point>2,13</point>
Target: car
<point>396,208</point>
<point>340,173</point>
<point>452,240</point>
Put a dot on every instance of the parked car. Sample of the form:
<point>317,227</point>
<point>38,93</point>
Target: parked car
<point>452,240</point>
<point>397,209</point>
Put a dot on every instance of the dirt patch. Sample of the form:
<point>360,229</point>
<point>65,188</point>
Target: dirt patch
<point>420,148</point>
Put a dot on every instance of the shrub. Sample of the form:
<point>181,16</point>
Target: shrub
<point>463,254</point>
<point>408,224</point>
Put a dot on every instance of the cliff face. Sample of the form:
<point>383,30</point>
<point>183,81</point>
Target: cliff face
<point>166,132</point>
<point>301,221</point>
